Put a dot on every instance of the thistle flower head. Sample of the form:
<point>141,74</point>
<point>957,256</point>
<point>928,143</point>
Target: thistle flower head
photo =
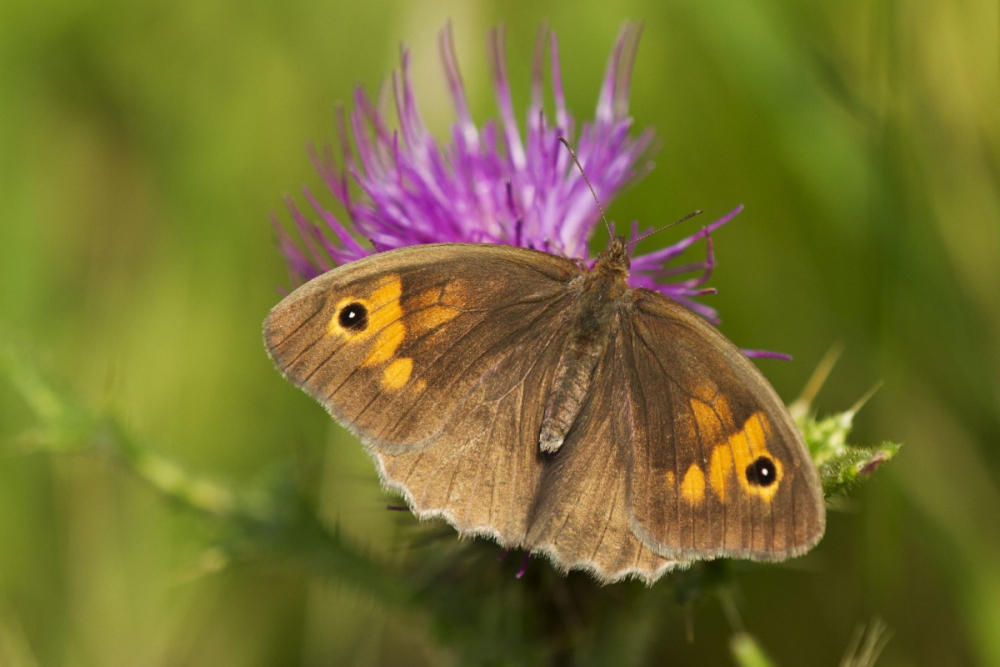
<point>489,184</point>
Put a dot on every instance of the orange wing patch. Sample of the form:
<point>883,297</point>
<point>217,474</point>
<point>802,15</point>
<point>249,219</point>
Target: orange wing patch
<point>384,315</point>
<point>385,322</point>
<point>381,307</point>
<point>385,305</point>
<point>693,485</point>
<point>710,426</point>
<point>426,299</point>
<point>748,446</point>
<point>432,318</point>
<point>397,374</point>
<point>386,344</point>
<point>720,468</point>
<point>425,312</point>
<point>721,405</point>
<point>706,390</point>
<point>736,452</point>
<point>714,418</point>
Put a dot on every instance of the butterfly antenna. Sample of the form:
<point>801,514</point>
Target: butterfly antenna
<point>587,181</point>
<point>677,222</point>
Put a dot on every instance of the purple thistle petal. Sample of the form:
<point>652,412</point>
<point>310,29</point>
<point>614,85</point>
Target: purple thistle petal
<point>563,120</point>
<point>308,232</point>
<point>344,138</point>
<point>659,258</point>
<point>630,34</point>
<point>351,249</point>
<point>524,565</point>
<point>501,82</point>
<point>538,71</point>
<point>604,113</point>
<point>764,354</point>
<point>446,44</point>
<point>298,264</point>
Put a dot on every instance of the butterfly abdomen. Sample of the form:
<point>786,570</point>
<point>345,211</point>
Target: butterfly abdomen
<point>590,330</point>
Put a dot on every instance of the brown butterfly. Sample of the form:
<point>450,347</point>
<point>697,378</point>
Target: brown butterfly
<point>520,396</point>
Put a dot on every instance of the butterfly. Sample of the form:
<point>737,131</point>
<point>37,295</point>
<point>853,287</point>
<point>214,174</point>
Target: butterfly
<point>521,396</point>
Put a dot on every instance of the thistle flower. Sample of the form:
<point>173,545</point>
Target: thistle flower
<point>489,184</point>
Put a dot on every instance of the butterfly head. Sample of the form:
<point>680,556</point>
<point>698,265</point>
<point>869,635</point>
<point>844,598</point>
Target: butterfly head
<point>614,261</point>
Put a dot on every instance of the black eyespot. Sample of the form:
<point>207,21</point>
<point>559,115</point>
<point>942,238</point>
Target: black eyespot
<point>762,472</point>
<point>354,316</point>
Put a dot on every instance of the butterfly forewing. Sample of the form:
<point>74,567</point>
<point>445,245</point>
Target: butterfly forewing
<point>719,468</point>
<point>392,344</point>
<point>447,379</point>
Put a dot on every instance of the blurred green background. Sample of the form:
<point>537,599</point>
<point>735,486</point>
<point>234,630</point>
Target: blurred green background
<point>142,146</point>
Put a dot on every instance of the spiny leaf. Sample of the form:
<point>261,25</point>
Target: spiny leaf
<point>854,466</point>
<point>840,464</point>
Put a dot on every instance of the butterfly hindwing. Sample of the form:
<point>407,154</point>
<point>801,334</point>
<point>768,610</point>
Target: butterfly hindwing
<point>581,515</point>
<point>718,466</point>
